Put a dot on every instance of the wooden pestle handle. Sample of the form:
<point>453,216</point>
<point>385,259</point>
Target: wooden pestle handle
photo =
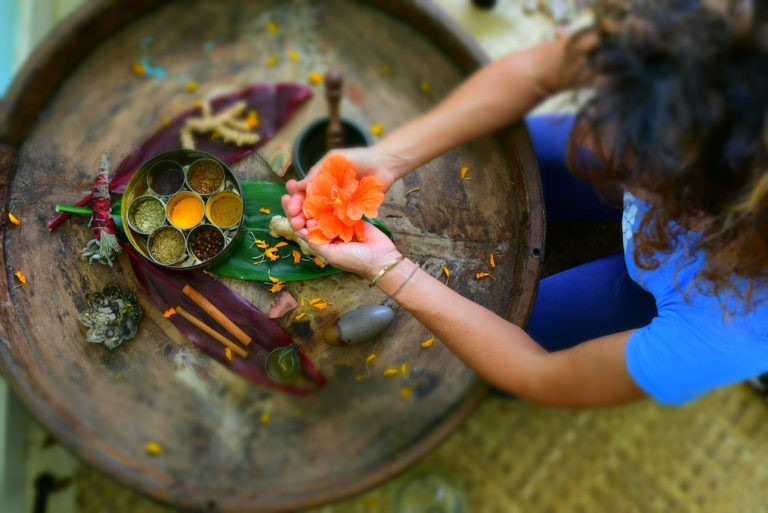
<point>334,133</point>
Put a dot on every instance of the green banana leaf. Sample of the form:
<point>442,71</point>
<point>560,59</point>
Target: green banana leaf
<point>247,262</point>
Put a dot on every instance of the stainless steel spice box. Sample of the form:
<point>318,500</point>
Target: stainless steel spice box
<point>181,182</point>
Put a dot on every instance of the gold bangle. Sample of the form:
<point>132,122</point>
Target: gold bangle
<point>384,269</point>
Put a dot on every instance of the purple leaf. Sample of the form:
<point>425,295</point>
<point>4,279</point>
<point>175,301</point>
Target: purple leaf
<point>164,288</point>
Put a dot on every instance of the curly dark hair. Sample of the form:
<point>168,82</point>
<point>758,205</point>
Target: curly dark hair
<point>680,112</point>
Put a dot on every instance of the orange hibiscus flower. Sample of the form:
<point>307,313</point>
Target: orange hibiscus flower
<point>338,201</point>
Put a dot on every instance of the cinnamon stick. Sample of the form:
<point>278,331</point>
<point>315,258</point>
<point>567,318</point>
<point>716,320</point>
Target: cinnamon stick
<point>216,314</point>
<point>210,331</point>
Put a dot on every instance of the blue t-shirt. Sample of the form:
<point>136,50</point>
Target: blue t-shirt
<point>694,344</point>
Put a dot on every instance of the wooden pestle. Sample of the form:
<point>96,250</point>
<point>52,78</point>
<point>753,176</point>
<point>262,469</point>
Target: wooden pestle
<point>334,133</point>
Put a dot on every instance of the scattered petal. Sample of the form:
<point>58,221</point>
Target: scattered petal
<point>391,372</point>
<point>272,27</point>
<point>20,276</point>
<point>464,172</point>
<point>492,260</point>
<point>315,77</point>
<point>169,312</point>
<point>446,272</point>
<point>252,119</point>
<point>265,418</point>
<point>371,357</point>
<point>415,189</point>
<point>404,369</point>
<point>319,262</point>
<point>228,353</point>
<point>300,316</point>
<point>482,275</point>
<point>138,69</point>
<point>191,86</point>
<point>261,244</point>
<point>296,256</point>
<point>271,253</point>
<point>13,219</point>
<point>153,448</point>
<point>425,86</point>
<point>377,129</point>
<point>385,69</point>
<point>265,210</point>
<point>294,56</point>
<point>272,60</point>
<point>428,343</point>
<point>406,392</point>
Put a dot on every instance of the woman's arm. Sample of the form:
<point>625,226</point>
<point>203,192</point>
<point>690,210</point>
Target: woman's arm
<point>590,374</point>
<point>499,93</point>
<point>594,373</point>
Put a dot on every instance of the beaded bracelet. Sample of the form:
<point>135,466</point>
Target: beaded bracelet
<point>405,282</point>
<point>384,269</point>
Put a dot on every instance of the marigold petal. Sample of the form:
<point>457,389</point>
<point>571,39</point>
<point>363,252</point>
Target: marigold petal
<point>20,276</point>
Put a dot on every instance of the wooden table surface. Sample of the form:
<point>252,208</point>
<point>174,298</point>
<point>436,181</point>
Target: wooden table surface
<point>78,98</point>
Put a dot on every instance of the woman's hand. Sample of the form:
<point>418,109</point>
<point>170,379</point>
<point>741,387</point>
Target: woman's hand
<point>367,162</point>
<point>362,258</point>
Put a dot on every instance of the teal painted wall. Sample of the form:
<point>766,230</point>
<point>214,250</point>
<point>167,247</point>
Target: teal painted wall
<point>7,42</point>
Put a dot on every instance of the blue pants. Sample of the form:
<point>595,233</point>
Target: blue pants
<point>593,299</point>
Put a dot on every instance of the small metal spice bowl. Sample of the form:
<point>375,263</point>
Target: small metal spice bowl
<point>143,188</point>
<point>165,177</point>
<point>167,245</point>
<point>224,209</point>
<point>146,214</point>
<point>205,242</point>
<point>185,210</point>
<point>205,176</point>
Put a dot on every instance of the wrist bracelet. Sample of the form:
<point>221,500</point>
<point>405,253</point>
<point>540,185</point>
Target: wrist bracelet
<point>405,282</point>
<point>384,269</point>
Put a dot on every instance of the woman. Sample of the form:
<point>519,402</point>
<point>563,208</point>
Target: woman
<point>678,120</point>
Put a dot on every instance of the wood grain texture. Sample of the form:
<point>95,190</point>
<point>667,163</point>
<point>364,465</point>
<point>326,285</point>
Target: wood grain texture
<point>78,98</point>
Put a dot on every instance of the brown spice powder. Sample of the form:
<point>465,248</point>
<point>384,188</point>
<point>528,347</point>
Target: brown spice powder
<point>226,210</point>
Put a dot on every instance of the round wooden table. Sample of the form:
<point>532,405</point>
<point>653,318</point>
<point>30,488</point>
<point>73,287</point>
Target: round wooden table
<point>228,444</point>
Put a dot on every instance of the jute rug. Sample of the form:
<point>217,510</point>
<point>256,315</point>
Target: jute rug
<point>512,456</point>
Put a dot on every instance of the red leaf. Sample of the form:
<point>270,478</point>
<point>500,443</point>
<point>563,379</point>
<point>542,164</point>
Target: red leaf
<point>275,104</point>
<point>164,288</point>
